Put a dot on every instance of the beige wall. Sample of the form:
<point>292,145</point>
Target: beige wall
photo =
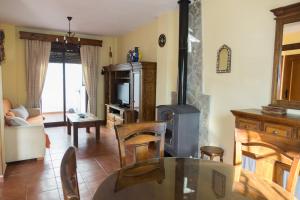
<point>14,77</point>
<point>146,37</point>
<point>248,27</point>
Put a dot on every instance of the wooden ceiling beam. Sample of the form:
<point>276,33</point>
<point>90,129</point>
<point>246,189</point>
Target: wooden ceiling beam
<point>52,38</point>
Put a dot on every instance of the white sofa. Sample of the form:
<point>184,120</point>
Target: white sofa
<point>25,142</point>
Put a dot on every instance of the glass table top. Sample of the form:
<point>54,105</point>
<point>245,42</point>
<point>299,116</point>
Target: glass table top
<point>186,179</point>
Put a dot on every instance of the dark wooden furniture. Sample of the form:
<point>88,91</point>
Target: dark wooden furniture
<point>284,15</point>
<point>187,178</point>
<point>68,175</point>
<point>267,157</point>
<point>280,131</point>
<point>212,152</point>
<point>142,82</point>
<point>140,135</point>
<point>89,121</point>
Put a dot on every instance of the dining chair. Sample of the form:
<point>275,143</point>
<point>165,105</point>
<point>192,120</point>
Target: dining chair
<point>139,136</point>
<point>270,160</point>
<point>68,175</point>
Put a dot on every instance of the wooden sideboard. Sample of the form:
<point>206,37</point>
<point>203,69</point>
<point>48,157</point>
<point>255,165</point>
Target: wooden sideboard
<point>287,126</point>
<point>282,131</point>
<point>251,125</point>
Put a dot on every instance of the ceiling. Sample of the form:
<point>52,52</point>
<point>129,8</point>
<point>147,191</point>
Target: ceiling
<point>99,17</point>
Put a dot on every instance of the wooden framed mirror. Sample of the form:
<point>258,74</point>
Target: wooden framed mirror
<point>286,69</point>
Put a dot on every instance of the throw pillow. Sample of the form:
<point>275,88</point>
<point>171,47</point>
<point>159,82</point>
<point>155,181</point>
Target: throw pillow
<point>10,114</point>
<point>21,112</point>
<point>17,121</point>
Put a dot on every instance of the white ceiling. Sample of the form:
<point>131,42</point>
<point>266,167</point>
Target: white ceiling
<point>99,17</point>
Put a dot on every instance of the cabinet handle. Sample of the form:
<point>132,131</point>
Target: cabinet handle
<point>275,132</point>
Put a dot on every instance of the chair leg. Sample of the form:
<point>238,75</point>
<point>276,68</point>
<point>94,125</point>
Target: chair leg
<point>202,155</point>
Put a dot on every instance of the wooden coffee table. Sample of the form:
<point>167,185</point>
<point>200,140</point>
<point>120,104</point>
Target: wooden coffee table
<point>89,121</point>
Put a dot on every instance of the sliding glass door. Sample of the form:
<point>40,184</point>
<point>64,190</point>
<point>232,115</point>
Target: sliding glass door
<point>53,94</point>
<point>75,89</point>
<point>64,90</point>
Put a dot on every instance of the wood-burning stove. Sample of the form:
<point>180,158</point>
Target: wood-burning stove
<point>182,134</point>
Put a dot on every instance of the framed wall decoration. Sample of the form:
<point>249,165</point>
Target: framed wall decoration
<point>224,59</point>
<point>1,46</point>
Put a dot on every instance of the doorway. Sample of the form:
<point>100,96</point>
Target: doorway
<point>64,89</point>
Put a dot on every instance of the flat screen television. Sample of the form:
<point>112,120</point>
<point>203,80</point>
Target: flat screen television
<point>123,93</point>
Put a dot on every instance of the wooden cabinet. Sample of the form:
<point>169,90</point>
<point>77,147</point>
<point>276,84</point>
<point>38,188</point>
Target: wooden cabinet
<point>281,131</point>
<point>287,126</point>
<point>141,78</point>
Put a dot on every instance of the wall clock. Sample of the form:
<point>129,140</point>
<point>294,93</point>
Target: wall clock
<point>162,40</point>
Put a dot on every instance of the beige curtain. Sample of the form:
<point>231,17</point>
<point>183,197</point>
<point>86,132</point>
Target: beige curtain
<point>37,58</point>
<point>89,60</point>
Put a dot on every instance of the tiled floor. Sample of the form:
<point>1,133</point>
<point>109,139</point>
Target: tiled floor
<point>41,180</point>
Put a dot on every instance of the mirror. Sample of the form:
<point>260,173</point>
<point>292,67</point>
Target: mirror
<point>289,71</point>
<point>286,71</point>
<point>224,59</point>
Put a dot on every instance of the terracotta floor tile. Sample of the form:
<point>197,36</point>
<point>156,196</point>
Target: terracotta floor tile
<point>42,186</point>
<point>48,195</point>
<point>40,180</point>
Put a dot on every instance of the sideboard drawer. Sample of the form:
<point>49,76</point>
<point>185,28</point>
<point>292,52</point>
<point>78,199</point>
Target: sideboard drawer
<point>297,136</point>
<point>248,124</point>
<point>118,121</point>
<point>110,117</point>
<point>110,124</point>
<point>278,130</point>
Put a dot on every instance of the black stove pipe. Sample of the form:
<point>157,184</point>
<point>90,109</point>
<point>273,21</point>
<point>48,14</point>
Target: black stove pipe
<point>183,50</point>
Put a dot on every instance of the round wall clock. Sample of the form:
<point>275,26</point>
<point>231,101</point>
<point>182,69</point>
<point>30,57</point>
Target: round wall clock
<point>162,40</point>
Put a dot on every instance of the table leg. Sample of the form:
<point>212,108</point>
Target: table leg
<point>97,131</point>
<point>69,126</point>
<point>75,135</point>
<point>88,129</point>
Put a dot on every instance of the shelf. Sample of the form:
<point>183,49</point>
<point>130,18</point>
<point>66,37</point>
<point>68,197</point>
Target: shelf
<point>123,78</point>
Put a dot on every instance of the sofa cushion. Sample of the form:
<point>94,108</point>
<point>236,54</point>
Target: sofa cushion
<point>21,112</point>
<point>17,121</point>
<point>10,114</point>
<point>35,120</point>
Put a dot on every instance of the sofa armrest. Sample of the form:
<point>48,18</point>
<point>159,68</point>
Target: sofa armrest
<point>31,127</point>
<point>24,142</point>
<point>33,112</point>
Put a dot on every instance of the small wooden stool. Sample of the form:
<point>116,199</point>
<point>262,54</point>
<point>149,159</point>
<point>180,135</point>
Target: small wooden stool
<point>212,151</point>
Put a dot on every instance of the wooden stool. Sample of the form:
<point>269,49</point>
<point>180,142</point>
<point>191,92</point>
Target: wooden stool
<point>212,151</point>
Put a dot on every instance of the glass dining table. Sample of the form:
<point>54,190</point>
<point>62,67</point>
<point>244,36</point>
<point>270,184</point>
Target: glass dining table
<point>186,179</point>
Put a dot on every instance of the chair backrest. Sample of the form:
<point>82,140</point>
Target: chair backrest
<point>140,135</point>
<point>148,171</point>
<point>68,175</point>
<point>271,160</point>
<point>130,116</point>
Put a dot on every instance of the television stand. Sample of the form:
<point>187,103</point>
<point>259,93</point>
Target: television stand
<point>116,115</point>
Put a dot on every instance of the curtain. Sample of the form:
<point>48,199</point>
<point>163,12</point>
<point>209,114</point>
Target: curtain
<point>89,60</point>
<point>37,58</point>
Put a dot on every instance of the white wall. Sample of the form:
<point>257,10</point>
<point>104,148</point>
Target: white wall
<point>248,27</point>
